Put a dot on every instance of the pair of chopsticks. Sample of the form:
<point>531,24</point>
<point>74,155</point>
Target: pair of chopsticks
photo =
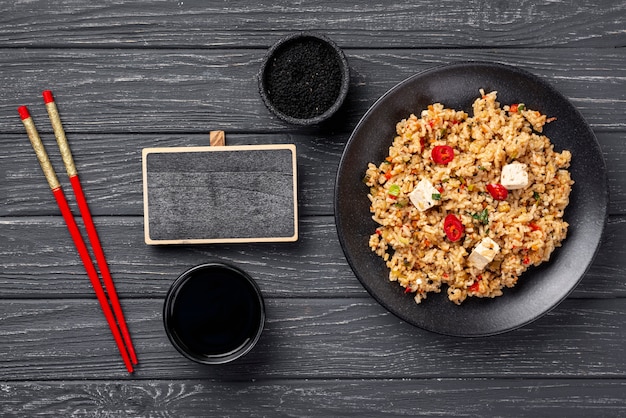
<point>114,318</point>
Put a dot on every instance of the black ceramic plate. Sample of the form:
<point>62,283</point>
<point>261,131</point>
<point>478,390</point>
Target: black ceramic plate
<point>539,289</point>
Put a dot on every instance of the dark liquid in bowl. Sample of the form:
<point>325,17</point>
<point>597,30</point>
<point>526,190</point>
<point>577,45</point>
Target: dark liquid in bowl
<point>216,312</point>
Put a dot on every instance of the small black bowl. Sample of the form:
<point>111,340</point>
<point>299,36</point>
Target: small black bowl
<point>304,78</point>
<point>214,313</point>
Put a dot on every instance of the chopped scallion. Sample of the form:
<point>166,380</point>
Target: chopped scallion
<point>394,190</point>
<point>482,217</point>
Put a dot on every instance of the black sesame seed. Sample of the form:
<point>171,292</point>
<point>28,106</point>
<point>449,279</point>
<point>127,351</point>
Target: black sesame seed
<point>304,78</point>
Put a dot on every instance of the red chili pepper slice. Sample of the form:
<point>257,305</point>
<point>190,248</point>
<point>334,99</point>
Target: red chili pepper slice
<point>453,227</point>
<point>534,227</point>
<point>497,191</point>
<point>442,154</point>
<point>475,287</point>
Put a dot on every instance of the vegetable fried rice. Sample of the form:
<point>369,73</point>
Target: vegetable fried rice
<point>470,202</point>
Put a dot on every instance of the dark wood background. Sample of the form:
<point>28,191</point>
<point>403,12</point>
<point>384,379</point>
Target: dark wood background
<point>129,75</point>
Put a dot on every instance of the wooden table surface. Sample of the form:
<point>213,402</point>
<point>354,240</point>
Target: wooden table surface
<point>129,75</point>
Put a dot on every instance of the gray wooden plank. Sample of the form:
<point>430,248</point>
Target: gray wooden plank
<point>314,398</point>
<point>38,260</point>
<point>110,169</point>
<point>399,23</point>
<point>313,339</point>
<point>201,90</point>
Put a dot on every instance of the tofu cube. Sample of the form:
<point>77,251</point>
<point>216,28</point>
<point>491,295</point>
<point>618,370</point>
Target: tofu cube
<point>514,176</point>
<point>422,195</point>
<point>484,253</point>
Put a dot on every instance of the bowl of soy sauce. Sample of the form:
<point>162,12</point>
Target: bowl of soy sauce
<point>214,313</point>
<point>304,78</point>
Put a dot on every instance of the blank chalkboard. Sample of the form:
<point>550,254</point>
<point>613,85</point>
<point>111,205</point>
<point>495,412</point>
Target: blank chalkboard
<point>197,195</point>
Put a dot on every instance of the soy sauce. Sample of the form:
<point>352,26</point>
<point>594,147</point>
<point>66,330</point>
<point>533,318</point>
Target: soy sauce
<point>214,313</point>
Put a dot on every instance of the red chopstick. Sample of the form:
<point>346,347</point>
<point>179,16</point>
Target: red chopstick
<point>92,234</point>
<point>57,191</point>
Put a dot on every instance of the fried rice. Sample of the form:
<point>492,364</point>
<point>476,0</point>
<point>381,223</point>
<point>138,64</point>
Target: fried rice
<point>525,226</point>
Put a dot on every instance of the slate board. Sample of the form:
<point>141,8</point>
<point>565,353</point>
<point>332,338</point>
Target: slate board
<point>201,195</point>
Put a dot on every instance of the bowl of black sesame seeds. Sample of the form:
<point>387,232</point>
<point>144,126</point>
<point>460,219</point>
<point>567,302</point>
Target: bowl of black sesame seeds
<point>304,78</point>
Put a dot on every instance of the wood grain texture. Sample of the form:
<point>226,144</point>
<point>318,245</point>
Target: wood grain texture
<point>403,23</point>
<point>110,169</point>
<point>313,339</point>
<point>38,261</point>
<point>174,91</point>
<point>115,188</point>
<point>315,398</point>
<point>129,74</point>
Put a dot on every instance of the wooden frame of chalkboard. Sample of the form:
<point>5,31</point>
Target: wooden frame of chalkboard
<point>226,194</point>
